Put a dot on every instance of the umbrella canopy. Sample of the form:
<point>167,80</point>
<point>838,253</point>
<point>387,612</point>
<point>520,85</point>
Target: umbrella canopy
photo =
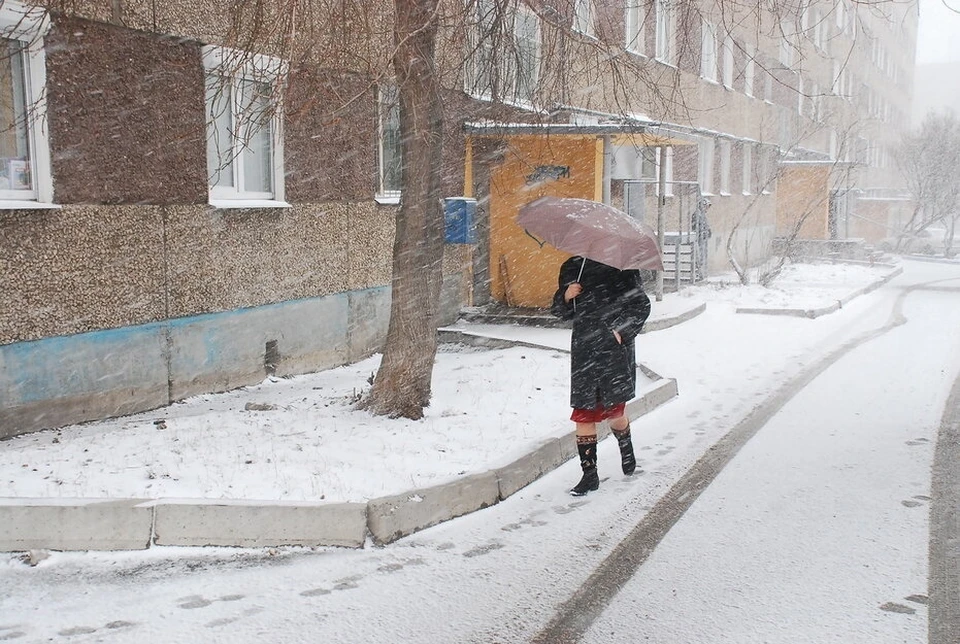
<point>594,230</point>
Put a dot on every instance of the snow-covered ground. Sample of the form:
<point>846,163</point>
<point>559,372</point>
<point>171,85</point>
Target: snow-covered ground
<point>300,438</point>
<point>816,530</point>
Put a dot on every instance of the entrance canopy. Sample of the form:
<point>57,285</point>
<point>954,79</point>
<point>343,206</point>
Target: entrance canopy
<point>621,133</point>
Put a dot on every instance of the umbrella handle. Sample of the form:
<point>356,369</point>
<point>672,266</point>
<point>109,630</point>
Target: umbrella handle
<point>541,243</point>
<point>579,275</point>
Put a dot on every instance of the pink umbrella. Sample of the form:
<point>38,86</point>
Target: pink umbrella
<point>594,230</point>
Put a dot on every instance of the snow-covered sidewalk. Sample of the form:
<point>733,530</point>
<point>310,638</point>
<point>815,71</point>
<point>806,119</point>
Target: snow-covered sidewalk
<point>300,439</point>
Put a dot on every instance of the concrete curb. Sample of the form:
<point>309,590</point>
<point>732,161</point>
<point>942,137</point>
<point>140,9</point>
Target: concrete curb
<point>75,524</point>
<point>659,324</point>
<point>255,524</point>
<point>391,518</point>
<point>818,312</point>
<point>136,524</point>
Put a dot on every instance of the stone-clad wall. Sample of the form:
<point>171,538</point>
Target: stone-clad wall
<point>135,292</point>
<point>126,116</point>
<point>79,269</point>
<point>86,268</point>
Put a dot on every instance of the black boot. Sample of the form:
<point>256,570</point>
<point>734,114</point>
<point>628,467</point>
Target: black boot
<point>627,459</point>
<point>587,447</point>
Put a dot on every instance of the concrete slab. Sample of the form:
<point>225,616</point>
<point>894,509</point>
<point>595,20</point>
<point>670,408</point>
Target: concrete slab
<point>392,517</point>
<point>256,524</point>
<point>74,524</point>
<point>529,468</point>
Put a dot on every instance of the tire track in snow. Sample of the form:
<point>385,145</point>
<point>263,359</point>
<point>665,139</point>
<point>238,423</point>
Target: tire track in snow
<point>574,617</point>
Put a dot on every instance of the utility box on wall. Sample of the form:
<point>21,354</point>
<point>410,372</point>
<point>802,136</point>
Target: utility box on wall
<point>459,215</point>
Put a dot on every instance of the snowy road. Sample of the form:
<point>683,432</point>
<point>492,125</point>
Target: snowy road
<point>808,522</point>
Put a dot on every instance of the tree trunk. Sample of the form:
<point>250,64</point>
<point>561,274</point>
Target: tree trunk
<point>402,384</point>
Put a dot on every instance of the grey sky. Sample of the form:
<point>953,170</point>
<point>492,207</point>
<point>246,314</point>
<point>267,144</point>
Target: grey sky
<point>938,38</point>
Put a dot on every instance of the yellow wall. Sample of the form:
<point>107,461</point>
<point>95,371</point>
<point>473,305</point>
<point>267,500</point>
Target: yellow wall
<point>804,191</point>
<point>530,272</point>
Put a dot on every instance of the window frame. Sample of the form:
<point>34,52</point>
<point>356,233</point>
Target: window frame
<point>747,187</point>
<point>726,49</point>
<point>585,18</point>
<point>709,60</point>
<point>29,26</point>
<point>749,70</point>
<point>506,66</point>
<point>725,155</point>
<point>664,33</point>
<point>387,195</point>
<point>635,32</point>
<point>706,169</point>
<point>235,66</point>
<point>527,12</point>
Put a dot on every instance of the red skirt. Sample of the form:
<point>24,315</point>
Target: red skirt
<point>597,414</point>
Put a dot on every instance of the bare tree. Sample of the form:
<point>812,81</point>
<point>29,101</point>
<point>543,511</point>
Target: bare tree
<point>930,161</point>
<point>402,384</point>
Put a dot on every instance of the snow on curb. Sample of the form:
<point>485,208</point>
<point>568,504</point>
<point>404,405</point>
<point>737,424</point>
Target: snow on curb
<point>815,313</point>
<point>136,524</point>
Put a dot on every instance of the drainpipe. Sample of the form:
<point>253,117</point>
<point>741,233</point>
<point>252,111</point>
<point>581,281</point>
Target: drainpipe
<point>661,205</point>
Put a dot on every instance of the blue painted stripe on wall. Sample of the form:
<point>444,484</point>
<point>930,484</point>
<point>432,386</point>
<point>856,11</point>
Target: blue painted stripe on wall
<point>86,363</point>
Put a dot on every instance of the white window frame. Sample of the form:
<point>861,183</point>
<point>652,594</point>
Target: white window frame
<point>223,62</point>
<point>747,168</point>
<point>665,32</point>
<point>504,61</point>
<point>635,37</point>
<point>786,52</point>
<point>385,195</point>
<point>727,58</point>
<point>29,25</point>
<point>749,69</point>
<point>584,18</point>
<point>707,153</point>
<point>708,51</point>
<point>800,95</point>
<point>725,167</point>
<point>527,13</point>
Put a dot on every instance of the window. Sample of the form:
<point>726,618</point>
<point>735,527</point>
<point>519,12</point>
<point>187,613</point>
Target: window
<point>767,86</point>
<point>665,32</point>
<point>25,176</point>
<point>708,52</point>
<point>706,166</point>
<point>389,117</point>
<point>747,168</point>
<point>786,53</point>
<point>633,18</point>
<point>526,29</point>
<point>244,140</point>
<point>727,49</point>
<point>749,70</point>
<point>505,59</point>
<point>800,95</point>
<point>583,17</point>
<point>725,167</point>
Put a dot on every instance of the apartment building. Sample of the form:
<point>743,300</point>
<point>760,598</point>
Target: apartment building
<point>194,197</point>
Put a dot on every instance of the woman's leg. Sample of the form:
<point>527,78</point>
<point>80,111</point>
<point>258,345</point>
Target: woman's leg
<point>621,431</point>
<point>587,448</point>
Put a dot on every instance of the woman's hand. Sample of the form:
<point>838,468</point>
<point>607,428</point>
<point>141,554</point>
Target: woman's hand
<point>616,334</point>
<point>572,291</point>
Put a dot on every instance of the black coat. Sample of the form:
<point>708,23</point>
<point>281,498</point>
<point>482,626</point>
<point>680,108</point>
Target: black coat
<point>602,371</point>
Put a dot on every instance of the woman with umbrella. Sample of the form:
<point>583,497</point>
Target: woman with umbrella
<point>601,291</point>
<point>608,307</point>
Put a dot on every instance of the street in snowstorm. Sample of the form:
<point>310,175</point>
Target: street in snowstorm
<point>788,497</point>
